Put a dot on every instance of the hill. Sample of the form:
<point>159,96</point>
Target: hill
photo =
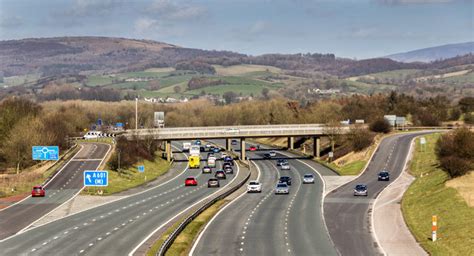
<point>434,53</point>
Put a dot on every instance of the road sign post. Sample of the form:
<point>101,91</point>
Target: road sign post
<point>434,228</point>
<point>141,168</point>
<point>96,178</point>
<point>45,152</point>
<point>423,143</point>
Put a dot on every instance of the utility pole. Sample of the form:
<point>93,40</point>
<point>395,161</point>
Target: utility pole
<point>136,113</point>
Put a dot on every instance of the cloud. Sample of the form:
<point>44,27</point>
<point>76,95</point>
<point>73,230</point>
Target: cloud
<point>11,22</point>
<point>87,8</point>
<point>144,25</point>
<point>170,10</point>
<point>258,27</point>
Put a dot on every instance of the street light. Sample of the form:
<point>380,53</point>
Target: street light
<point>118,156</point>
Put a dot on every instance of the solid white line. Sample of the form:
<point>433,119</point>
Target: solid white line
<point>67,201</point>
<point>82,147</point>
<point>183,211</point>
<point>196,242</point>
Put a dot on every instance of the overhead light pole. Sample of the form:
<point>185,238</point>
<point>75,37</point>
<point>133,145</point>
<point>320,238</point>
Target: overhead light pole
<point>136,113</point>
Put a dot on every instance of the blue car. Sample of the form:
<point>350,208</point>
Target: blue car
<point>216,150</point>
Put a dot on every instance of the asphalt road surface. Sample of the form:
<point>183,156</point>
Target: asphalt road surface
<point>348,218</point>
<point>65,185</point>
<point>118,227</point>
<point>269,224</point>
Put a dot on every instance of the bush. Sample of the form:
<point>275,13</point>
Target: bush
<point>469,118</point>
<point>360,139</point>
<point>455,166</point>
<point>380,125</point>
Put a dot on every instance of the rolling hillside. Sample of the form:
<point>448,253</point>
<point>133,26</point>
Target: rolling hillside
<point>434,53</point>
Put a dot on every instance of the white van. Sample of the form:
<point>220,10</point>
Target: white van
<point>186,146</point>
<point>92,135</point>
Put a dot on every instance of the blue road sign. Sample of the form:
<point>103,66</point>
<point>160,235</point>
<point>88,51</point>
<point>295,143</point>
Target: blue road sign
<point>45,152</point>
<point>141,168</point>
<point>119,124</point>
<point>96,178</point>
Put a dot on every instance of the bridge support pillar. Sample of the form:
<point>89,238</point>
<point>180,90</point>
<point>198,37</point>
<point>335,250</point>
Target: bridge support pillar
<point>242,149</point>
<point>291,141</point>
<point>228,145</point>
<point>317,147</point>
<point>168,150</point>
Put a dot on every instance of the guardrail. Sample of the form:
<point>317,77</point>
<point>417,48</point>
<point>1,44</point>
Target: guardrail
<point>169,241</point>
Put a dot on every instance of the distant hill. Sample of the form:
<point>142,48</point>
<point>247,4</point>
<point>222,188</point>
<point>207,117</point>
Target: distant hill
<point>434,53</point>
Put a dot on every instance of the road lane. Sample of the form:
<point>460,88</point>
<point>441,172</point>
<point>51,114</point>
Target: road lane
<point>62,187</point>
<point>115,228</point>
<point>348,218</point>
<point>269,224</point>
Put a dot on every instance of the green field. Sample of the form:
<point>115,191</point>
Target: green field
<point>460,80</point>
<point>353,168</point>
<point>429,196</point>
<point>395,74</point>
<point>19,80</point>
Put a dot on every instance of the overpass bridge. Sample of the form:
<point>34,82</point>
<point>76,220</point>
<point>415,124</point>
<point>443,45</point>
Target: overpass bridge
<point>316,131</point>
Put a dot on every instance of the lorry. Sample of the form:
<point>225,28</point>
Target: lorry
<point>186,146</point>
<point>195,150</point>
<point>194,162</point>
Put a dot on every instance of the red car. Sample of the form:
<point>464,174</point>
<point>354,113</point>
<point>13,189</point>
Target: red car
<point>190,181</point>
<point>253,148</point>
<point>37,191</point>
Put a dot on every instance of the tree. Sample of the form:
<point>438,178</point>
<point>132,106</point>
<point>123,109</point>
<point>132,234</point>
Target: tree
<point>177,89</point>
<point>466,104</point>
<point>229,97</point>
<point>380,125</point>
<point>265,92</point>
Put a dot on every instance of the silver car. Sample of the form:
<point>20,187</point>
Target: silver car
<point>282,188</point>
<point>285,166</point>
<point>308,178</point>
<point>360,190</point>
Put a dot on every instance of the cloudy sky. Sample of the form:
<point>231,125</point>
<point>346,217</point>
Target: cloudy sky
<point>348,28</point>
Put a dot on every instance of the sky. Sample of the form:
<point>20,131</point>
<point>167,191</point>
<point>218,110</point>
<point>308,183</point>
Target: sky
<point>348,28</point>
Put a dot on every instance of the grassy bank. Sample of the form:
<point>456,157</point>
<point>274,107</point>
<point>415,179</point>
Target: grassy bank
<point>352,168</point>
<point>183,242</point>
<point>427,196</point>
<point>130,178</point>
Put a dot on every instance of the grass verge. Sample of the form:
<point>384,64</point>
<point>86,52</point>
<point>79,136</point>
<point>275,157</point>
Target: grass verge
<point>131,178</point>
<point>352,168</point>
<point>427,196</point>
<point>182,245</point>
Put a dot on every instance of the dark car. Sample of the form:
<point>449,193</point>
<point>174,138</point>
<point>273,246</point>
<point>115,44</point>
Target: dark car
<point>228,159</point>
<point>213,183</point>
<point>206,169</point>
<point>360,190</point>
<point>228,170</point>
<point>384,175</point>
<point>280,161</point>
<point>216,150</point>
<point>38,191</point>
<point>226,164</point>
<point>220,175</point>
<point>285,179</point>
<point>267,156</point>
<point>234,142</point>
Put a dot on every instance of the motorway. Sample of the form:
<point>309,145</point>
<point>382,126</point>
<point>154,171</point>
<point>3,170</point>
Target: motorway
<point>348,218</point>
<point>64,186</point>
<point>269,224</point>
<point>118,227</point>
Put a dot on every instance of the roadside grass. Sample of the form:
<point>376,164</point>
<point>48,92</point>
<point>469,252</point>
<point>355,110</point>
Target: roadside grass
<point>428,195</point>
<point>182,245</point>
<point>353,168</point>
<point>243,69</point>
<point>130,178</point>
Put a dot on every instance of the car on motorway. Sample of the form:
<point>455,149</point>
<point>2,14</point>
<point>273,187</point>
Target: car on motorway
<point>216,150</point>
<point>267,156</point>
<point>208,146</point>
<point>282,188</point>
<point>38,191</point>
<point>206,169</point>
<point>272,153</point>
<point>228,169</point>
<point>197,142</point>
<point>226,164</point>
<point>384,176</point>
<point>281,161</point>
<point>285,179</point>
<point>233,142</point>
<point>253,148</point>
<point>254,186</point>
<point>360,190</point>
<point>308,178</point>
<point>285,166</point>
<point>220,174</point>
<point>228,159</point>
<point>213,183</point>
<point>191,181</point>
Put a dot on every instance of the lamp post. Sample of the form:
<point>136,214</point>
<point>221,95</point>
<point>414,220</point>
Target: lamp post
<point>118,165</point>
